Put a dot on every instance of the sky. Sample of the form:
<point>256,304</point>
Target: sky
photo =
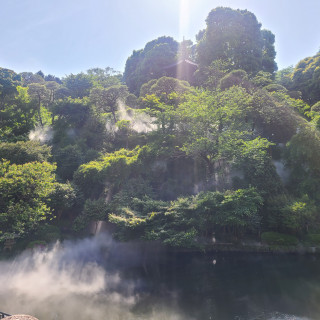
<point>61,37</point>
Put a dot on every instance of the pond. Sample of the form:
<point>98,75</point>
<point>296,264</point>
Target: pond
<point>98,278</point>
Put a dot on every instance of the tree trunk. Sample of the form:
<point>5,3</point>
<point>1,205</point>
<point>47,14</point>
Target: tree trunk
<point>39,112</point>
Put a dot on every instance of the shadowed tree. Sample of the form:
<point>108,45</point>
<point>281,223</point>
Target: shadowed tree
<point>148,63</point>
<point>107,99</point>
<point>9,81</point>
<point>235,36</point>
<point>41,95</point>
<point>79,85</point>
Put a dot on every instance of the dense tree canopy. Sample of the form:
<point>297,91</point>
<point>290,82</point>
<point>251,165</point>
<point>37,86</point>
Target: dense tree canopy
<point>148,63</point>
<point>24,191</point>
<point>235,155</point>
<point>235,36</point>
<point>306,78</point>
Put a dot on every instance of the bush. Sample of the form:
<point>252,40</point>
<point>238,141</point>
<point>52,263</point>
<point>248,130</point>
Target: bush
<point>316,107</point>
<point>275,87</point>
<point>280,239</point>
<point>47,233</point>
<point>37,244</point>
<point>52,237</point>
<point>312,239</point>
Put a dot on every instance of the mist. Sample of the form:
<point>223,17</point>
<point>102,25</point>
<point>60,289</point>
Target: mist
<point>41,134</point>
<point>139,121</point>
<point>73,280</point>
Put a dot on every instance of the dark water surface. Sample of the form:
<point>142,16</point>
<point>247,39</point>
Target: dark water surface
<point>235,286</point>
<point>100,279</point>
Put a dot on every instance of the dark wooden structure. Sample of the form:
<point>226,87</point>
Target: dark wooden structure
<point>9,243</point>
<point>182,70</point>
<point>3,315</point>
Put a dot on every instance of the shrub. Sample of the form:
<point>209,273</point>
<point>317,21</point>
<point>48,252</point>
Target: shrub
<point>37,244</point>
<point>312,239</point>
<point>275,87</point>
<point>280,239</point>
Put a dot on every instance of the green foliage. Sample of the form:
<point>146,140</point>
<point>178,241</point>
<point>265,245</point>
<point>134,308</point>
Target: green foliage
<point>302,157</point>
<point>23,152</point>
<point>181,222</point>
<point>105,78</point>
<point>79,85</point>
<point>68,160</point>
<point>184,239</point>
<point>312,239</point>
<point>47,232</point>
<point>62,198</point>
<point>234,78</point>
<point>9,81</point>
<point>72,112</point>
<point>240,210</point>
<point>29,77</point>
<point>24,191</point>
<point>168,90</point>
<point>148,63</point>
<point>275,87</point>
<point>301,215</point>
<point>40,95</point>
<point>234,36</point>
<point>109,171</point>
<point>257,167</point>
<point>316,107</point>
<point>268,52</point>
<point>215,126</point>
<point>37,244</point>
<point>284,77</point>
<point>17,117</point>
<point>130,193</point>
<point>209,77</point>
<point>262,79</point>
<point>279,239</point>
<point>106,100</point>
<point>94,210</point>
<point>241,118</point>
<point>274,116</point>
<point>306,78</point>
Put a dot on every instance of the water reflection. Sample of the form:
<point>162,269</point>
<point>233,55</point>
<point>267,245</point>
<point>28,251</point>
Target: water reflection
<point>98,278</point>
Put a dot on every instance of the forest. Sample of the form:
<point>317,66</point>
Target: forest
<point>230,151</point>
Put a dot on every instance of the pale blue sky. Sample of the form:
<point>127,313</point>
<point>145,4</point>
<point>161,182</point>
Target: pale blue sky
<point>68,36</point>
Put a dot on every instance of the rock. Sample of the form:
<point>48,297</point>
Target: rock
<point>21,317</point>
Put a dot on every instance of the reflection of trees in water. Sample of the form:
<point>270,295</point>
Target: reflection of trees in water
<point>236,287</point>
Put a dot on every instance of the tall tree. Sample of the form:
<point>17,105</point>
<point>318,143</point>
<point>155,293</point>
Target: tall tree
<point>40,94</point>
<point>268,52</point>
<point>105,78</point>
<point>306,78</point>
<point>107,100</point>
<point>79,84</point>
<point>148,63</point>
<point>9,81</point>
<point>235,36</point>
<point>24,190</point>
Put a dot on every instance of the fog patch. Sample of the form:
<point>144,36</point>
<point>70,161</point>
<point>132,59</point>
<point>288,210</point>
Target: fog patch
<point>75,280</point>
<point>65,282</point>
<point>41,134</point>
<point>139,120</point>
<point>282,171</point>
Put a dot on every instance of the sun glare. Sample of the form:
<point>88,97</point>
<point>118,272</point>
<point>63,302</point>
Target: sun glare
<point>184,18</point>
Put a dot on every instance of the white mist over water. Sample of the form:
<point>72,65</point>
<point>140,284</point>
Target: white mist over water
<point>65,282</point>
<point>68,281</point>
